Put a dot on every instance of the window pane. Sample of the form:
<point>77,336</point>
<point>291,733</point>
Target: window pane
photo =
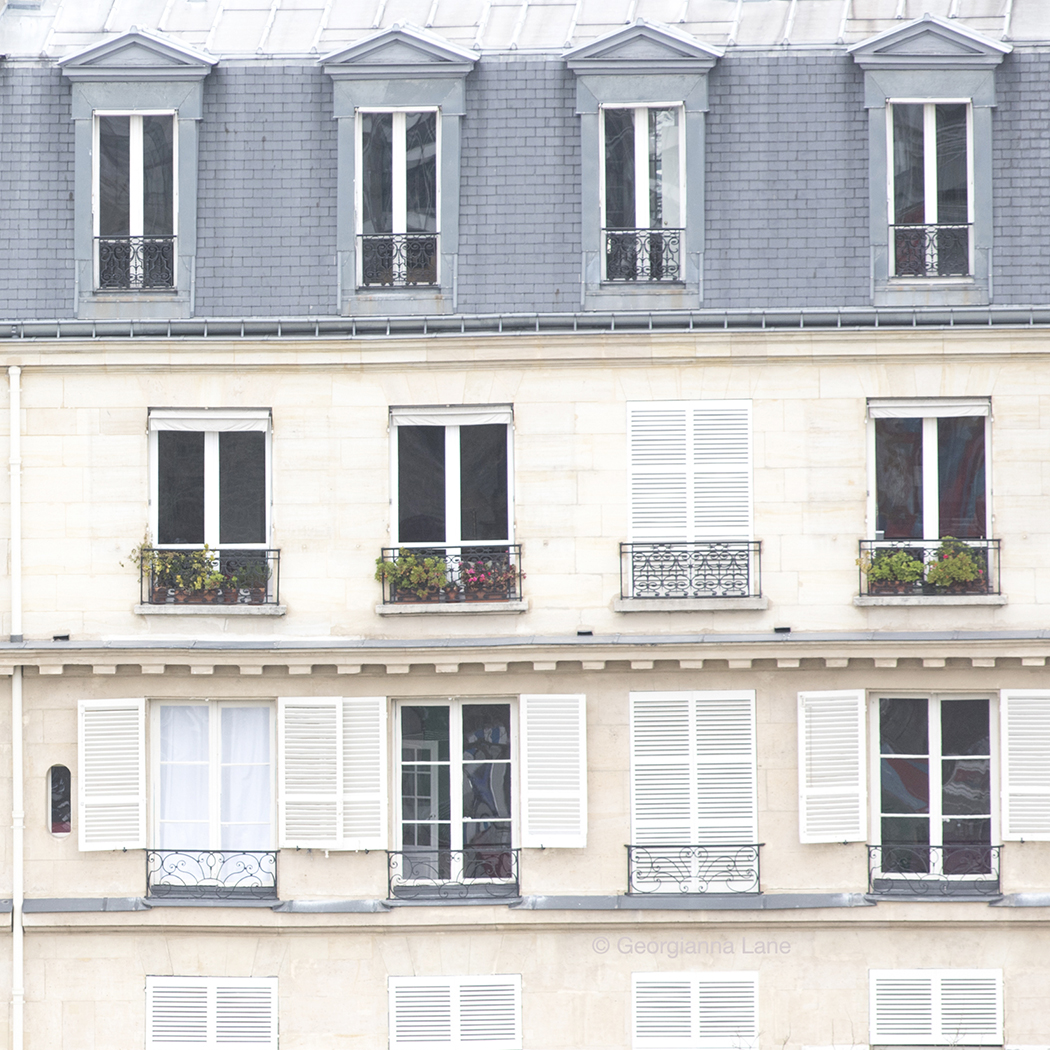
<point>619,168</point>
<point>966,786</point>
<point>483,482</point>
<point>245,780</point>
<point>184,733</point>
<point>486,731</point>
<point>909,203</point>
<point>242,487</point>
<point>180,480</point>
<point>486,791</point>
<point>114,169</point>
<point>184,777</point>
<point>61,810</point>
<point>158,204</point>
<point>424,733</point>
<point>664,170</point>
<point>421,484</point>
<point>904,831</point>
<point>377,173</point>
<point>964,727</point>
<point>421,172</point>
<point>960,470</point>
<point>898,478</point>
<point>903,727</point>
<point>952,174</point>
<point>905,785</point>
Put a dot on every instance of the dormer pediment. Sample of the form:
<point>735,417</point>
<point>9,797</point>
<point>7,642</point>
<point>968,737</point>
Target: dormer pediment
<point>136,55</point>
<point>643,47</point>
<point>929,43</point>
<point>400,51</point>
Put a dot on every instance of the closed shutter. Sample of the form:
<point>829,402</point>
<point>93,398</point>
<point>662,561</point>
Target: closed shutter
<point>444,1012</point>
<point>831,769</point>
<point>553,732</point>
<point>235,1013</point>
<point>111,800</point>
<point>332,753</point>
<point>936,1007</point>
<point>690,470</point>
<point>695,1011</point>
<point>1025,718</point>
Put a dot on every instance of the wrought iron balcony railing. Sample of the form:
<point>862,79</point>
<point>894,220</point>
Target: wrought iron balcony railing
<point>200,576</point>
<point>934,871</point>
<point>942,250</point>
<point>942,567</point>
<point>398,258</point>
<point>728,569</point>
<point>643,255</point>
<point>489,573</point>
<point>135,263</point>
<point>478,872</point>
<point>693,869</point>
<point>211,874</point>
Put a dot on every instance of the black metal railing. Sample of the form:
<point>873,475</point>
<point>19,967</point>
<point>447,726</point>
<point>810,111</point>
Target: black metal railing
<point>211,874</point>
<point>933,871</point>
<point>478,872</point>
<point>729,868</point>
<point>398,258</point>
<point>941,567</point>
<point>200,576</point>
<point>941,250</point>
<point>726,569</point>
<point>643,255</point>
<point>135,262</point>
<point>489,573</point>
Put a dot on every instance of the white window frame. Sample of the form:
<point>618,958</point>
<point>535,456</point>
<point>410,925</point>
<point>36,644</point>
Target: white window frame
<point>935,699</point>
<point>451,418</point>
<point>211,422</point>
<point>929,410</point>
<point>215,709</point>
<point>398,175</point>
<point>193,1010</point>
<point>930,177</point>
<point>135,188</point>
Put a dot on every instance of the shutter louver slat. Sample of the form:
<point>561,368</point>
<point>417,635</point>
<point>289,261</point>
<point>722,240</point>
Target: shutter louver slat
<point>663,1012</point>
<point>936,1007</point>
<point>727,1013</point>
<point>488,1012</point>
<point>364,777</point>
<point>695,1011</point>
<point>231,1012</point>
<point>1025,716</point>
<point>422,1013</point>
<point>179,1014</point>
<point>968,1009</point>
<point>243,1014</point>
<point>443,1013</point>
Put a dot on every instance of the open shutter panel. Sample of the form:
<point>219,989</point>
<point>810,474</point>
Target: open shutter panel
<point>553,770</point>
<point>725,768</point>
<point>659,475</point>
<point>831,769</point>
<point>238,1013</point>
<point>333,772</point>
<point>721,470</point>
<point>662,804</point>
<point>112,775</point>
<point>936,1007</point>
<point>1025,718</point>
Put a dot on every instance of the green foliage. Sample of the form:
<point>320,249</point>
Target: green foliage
<point>410,573</point>
<point>898,567</point>
<point>955,562</point>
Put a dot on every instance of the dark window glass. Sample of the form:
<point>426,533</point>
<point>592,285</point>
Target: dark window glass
<point>483,482</point>
<point>898,478</point>
<point>909,172</point>
<point>114,170</point>
<point>421,484</point>
<point>180,481</point>
<point>158,156</point>
<point>60,785</point>
<point>960,469</point>
<point>377,173</point>
<point>421,172</point>
<point>242,487</point>
<point>952,174</point>
<point>619,169</point>
<point>425,796</point>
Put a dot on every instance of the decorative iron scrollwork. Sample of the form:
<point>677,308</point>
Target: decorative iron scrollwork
<point>693,869</point>
<point>398,258</point>
<point>453,874</point>
<point>932,251</point>
<point>643,255</point>
<point>136,262</point>
<point>212,874</point>
<point>934,871</point>
<point>692,570</point>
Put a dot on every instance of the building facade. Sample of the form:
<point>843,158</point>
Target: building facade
<point>525,524</point>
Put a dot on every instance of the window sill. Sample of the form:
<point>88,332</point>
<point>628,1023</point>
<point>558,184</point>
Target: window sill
<point>123,305</point>
<point>672,605</point>
<point>862,600</point>
<point>451,608</point>
<point>211,610</point>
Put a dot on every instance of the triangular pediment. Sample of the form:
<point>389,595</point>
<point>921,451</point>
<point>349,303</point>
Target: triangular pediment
<point>929,43</point>
<point>403,50</point>
<point>643,47</point>
<point>136,55</point>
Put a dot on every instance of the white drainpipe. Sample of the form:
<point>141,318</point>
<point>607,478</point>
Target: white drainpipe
<point>17,780</point>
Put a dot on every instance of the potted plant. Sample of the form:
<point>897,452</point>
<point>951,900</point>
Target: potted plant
<point>250,581</point>
<point>489,579</point>
<point>957,568</point>
<point>408,573</point>
<point>892,572</point>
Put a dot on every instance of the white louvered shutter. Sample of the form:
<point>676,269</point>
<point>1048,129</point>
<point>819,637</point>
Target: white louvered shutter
<point>831,767</point>
<point>695,1011</point>
<point>332,753</point>
<point>111,797</point>
<point>1025,721</point>
<point>936,1007</point>
<point>658,437</point>
<point>727,803</point>
<point>428,1013</point>
<point>663,806</point>
<point>721,440</point>
<point>553,732</point>
<point>235,1013</point>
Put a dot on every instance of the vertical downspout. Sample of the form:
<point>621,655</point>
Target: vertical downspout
<point>17,785</point>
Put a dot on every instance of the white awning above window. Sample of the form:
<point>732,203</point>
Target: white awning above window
<point>926,407</point>
<point>209,419</point>
<point>450,415</point>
